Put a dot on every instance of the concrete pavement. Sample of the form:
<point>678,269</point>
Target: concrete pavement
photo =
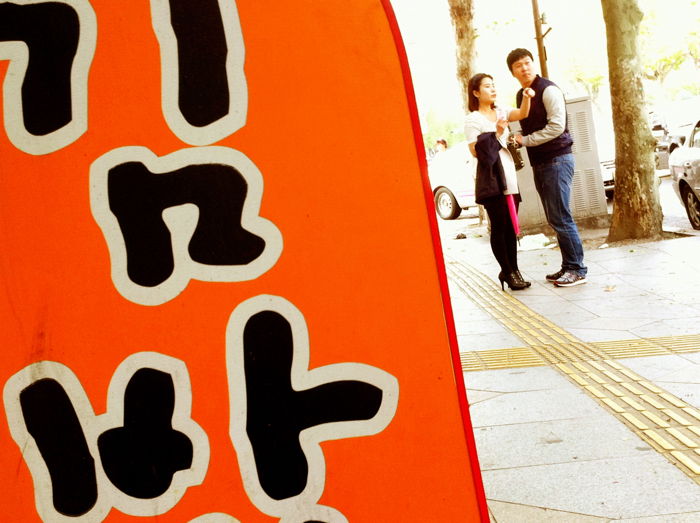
<point>585,401</point>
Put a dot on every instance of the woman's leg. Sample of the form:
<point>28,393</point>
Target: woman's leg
<point>510,240</point>
<point>499,218</point>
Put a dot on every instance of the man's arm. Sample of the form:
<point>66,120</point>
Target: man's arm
<point>554,104</point>
<point>524,110</point>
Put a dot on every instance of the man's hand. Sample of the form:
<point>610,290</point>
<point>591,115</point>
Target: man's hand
<point>528,92</point>
<point>518,139</point>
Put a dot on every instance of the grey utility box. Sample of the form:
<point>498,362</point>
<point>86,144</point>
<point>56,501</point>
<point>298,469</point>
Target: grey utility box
<point>588,194</point>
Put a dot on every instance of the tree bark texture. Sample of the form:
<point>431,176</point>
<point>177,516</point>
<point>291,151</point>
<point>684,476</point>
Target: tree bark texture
<point>462,14</point>
<point>636,207</point>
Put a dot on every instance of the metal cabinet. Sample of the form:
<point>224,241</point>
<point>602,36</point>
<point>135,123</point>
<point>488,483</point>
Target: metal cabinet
<point>587,195</point>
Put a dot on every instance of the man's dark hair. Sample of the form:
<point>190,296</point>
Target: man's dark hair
<point>515,55</point>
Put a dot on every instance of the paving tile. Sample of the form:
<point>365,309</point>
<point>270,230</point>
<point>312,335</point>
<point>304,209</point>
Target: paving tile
<point>646,265</point>
<point>642,306</point>
<point>594,437</point>
<point>592,335</point>
<point>516,513</point>
<point>613,488</point>
<point>597,286</point>
<point>537,273</point>
<point>662,285</point>
<point>692,356</point>
<point>657,368</point>
<point>538,289</point>
<point>675,373</point>
<point>477,396</point>
<point>688,517</point>
<point>685,248</point>
<point>458,299</point>
<point>516,380</point>
<point>681,291</point>
<point>488,341</point>
<point>690,393</point>
<point>532,407</point>
<point>614,255</point>
<point>622,324</point>
<point>595,291</point>
<point>669,327</point>
<point>562,311</point>
<point>570,317</point>
<point>461,314</point>
<point>690,373</point>
<point>480,326</point>
<point>595,267</point>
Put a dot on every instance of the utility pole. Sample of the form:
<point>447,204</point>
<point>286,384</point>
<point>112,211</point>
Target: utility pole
<point>541,51</point>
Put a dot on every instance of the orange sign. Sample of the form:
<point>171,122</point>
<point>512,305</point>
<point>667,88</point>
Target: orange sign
<point>221,297</point>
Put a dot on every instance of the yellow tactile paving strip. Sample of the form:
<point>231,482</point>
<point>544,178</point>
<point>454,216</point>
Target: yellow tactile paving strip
<point>528,357</point>
<point>667,423</point>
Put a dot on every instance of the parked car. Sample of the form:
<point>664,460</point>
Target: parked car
<point>451,174</point>
<point>684,164</point>
<point>666,142</point>
<point>659,131</point>
<point>670,124</point>
<point>607,172</point>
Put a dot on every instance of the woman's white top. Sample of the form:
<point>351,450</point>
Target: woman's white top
<point>476,123</point>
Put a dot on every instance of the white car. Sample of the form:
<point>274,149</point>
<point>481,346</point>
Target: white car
<point>607,171</point>
<point>684,164</point>
<point>452,174</point>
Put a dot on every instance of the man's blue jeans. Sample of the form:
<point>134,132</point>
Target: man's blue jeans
<point>553,182</point>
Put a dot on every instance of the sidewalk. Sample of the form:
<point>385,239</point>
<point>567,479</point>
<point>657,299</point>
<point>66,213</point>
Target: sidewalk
<point>585,401</point>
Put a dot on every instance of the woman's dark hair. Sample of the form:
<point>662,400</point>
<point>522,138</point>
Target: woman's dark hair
<point>515,55</point>
<point>474,84</point>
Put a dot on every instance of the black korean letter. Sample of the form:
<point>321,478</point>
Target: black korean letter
<point>141,457</point>
<point>53,423</point>
<point>138,197</point>
<point>277,413</point>
<point>202,52</point>
<point>51,31</point>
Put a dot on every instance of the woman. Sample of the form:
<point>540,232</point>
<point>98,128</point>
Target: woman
<point>486,129</point>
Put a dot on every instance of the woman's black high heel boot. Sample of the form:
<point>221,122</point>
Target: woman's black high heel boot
<point>521,279</point>
<point>512,280</point>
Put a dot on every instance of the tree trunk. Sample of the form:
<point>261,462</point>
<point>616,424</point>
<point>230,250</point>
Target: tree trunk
<point>636,208</point>
<point>462,14</point>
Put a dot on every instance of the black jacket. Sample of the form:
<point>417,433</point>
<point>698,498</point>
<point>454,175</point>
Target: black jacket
<point>490,178</point>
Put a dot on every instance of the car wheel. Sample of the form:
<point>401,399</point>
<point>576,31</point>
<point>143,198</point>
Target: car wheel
<point>692,207</point>
<point>446,204</point>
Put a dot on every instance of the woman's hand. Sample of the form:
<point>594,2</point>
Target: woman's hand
<point>501,125</point>
<point>528,92</point>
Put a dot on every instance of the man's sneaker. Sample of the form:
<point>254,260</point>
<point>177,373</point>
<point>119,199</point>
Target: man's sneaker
<point>569,279</point>
<point>554,277</point>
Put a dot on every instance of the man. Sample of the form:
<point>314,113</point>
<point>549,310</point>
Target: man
<point>548,142</point>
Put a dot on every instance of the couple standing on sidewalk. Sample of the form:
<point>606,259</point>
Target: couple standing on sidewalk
<point>542,116</point>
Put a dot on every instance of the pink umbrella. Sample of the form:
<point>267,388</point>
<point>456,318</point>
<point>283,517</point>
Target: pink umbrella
<point>513,213</point>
